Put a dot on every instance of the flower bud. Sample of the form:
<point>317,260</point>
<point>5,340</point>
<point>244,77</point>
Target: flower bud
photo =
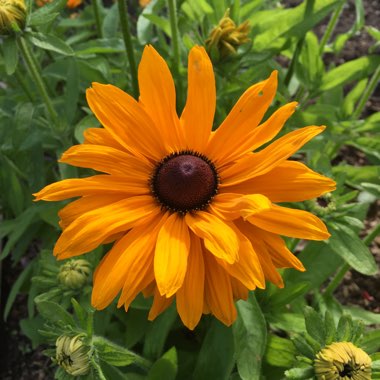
<point>342,360</point>
<point>225,38</point>
<point>74,273</point>
<point>12,16</point>
<point>72,355</point>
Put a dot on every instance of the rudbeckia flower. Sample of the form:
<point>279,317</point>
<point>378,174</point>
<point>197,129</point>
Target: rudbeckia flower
<point>193,213</point>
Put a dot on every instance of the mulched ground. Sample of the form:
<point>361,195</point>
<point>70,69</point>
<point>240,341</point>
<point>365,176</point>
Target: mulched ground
<point>20,362</point>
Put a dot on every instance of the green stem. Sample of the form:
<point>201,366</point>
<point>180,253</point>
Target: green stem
<point>123,14</point>
<point>95,7</point>
<point>366,94</point>
<point>172,5</point>
<point>331,26</point>
<point>35,73</point>
<point>346,267</point>
<point>24,86</point>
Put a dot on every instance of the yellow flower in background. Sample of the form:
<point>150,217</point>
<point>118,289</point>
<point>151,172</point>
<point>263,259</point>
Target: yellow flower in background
<point>192,212</point>
<point>226,37</point>
<point>12,15</point>
<point>342,360</point>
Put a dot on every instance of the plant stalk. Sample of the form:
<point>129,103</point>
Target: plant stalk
<point>331,26</point>
<point>367,93</point>
<point>36,75</point>
<point>95,7</point>
<point>123,14</point>
<point>346,267</point>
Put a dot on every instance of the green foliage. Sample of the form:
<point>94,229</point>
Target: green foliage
<point>43,111</point>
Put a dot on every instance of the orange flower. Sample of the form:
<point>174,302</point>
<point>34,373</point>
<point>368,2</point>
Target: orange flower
<point>70,3</point>
<point>192,212</point>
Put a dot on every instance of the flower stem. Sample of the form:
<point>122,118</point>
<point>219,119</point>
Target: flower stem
<point>176,50</point>
<point>95,7</point>
<point>366,94</point>
<point>346,267</point>
<point>22,83</point>
<point>331,26</point>
<point>35,73</point>
<point>123,14</point>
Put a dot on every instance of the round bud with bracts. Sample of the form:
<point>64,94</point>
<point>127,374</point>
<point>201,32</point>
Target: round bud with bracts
<point>72,354</point>
<point>12,16</point>
<point>74,273</point>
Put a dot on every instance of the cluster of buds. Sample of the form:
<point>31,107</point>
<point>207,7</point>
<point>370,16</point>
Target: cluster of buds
<point>73,355</point>
<point>12,16</point>
<point>74,273</point>
<point>226,37</point>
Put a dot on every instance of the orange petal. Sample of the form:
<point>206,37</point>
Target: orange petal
<point>290,181</point>
<point>190,296</point>
<point>126,121</point>
<point>76,208</point>
<point>129,263</point>
<point>89,230</point>
<point>256,164</point>
<point>247,269</point>
<point>290,222</point>
<point>229,140</point>
<point>219,238</point>
<point>108,160</point>
<point>100,136</point>
<point>218,291</point>
<point>95,185</point>
<point>239,291</point>
<point>157,96</point>
<point>160,304</point>
<point>198,114</point>
<point>225,206</point>
<point>170,258</point>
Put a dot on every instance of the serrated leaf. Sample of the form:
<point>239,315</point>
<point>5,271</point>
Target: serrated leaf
<point>44,14</point>
<point>250,334</point>
<point>302,346</point>
<point>330,328</point>
<point>112,353</point>
<point>344,329</point>
<point>55,313</point>
<point>314,325</point>
<point>350,248</point>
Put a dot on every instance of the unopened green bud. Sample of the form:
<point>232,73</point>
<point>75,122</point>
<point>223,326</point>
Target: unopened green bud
<point>72,355</point>
<point>226,37</point>
<point>12,16</point>
<point>74,273</point>
<point>342,360</point>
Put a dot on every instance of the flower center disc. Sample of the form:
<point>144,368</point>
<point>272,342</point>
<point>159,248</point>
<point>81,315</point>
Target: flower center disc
<point>184,182</point>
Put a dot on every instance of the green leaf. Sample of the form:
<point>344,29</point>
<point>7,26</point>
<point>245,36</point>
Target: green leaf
<point>280,352</point>
<point>21,279</point>
<point>290,322</point>
<point>303,347</point>
<point>160,22</point>
<point>344,329</point>
<point>315,325</point>
<point>10,54</point>
<point>47,13</point>
<point>216,356</point>
<point>348,72</point>
<point>111,22</point>
<point>350,248</point>
<point>55,313</point>
<point>366,316</point>
<point>165,367</point>
<point>353,97</point>
<point>284,296</point>
<point>371,341</point>
<point>156,335</point>
<point>112,353</point>
<point>72,90</point>
<point>329,328</point>
<point>250,335</point>
<point>300,373</point>
<point>49,42</point>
